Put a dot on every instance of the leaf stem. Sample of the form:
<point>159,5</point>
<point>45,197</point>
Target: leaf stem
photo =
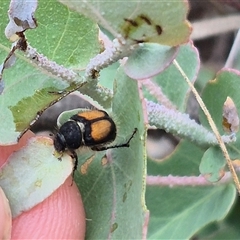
<point>157,92</point>
<point>181,125</point>
<point>88,85</point>
<point>111,54</point>
<point>50,66</point>
<point>177,181</point>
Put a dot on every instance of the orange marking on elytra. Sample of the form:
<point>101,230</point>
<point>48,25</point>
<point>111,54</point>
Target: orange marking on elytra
<point>93,114</point>
<point>100,129</point>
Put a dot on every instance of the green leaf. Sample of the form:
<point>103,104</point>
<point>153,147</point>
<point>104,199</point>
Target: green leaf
<point>171,81</point>
<point>138,21</point>
<point>111,182</point>
<point>63,35</point>
<point>174,208</point>
<point>32,174</point>
<point>212,164</point>
<point>180,163</point>
<point>27,87</point>
<point>148,60</point>
<point>177,213</point>
<point>228,228</point>
<point>106,78</point>
<point>23,101</point>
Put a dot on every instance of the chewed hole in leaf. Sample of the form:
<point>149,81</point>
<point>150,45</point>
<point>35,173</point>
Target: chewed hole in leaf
<point>160,144</point>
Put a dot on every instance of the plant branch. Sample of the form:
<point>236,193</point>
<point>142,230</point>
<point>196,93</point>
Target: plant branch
<point>89,87</point>
<point>50,66</point>
<point>113,53</point>
<point>102,95</point>
<point>177,181</point>
<point>157,92</point>
<point>181,125</point>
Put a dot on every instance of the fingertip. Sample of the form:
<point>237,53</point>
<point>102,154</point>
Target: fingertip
<point>5,217</point>
<point>60,216</point>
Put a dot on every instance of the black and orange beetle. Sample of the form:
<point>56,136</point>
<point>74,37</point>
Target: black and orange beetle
<point>91,128</point>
